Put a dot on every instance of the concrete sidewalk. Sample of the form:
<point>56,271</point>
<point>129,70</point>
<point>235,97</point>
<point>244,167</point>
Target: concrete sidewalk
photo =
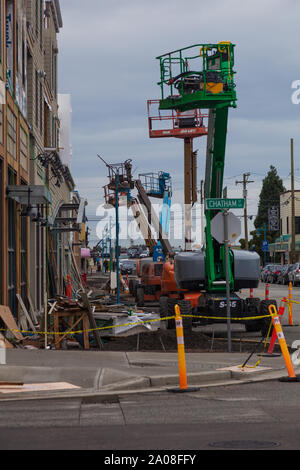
<point>106,375</point>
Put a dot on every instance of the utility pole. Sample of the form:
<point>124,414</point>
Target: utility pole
<point>293,240</point>
<point>244,183</point>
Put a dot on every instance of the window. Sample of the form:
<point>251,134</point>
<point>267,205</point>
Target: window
<point>37,265</point>
<point>11,133</point>
<point>23,269</point>
<point>23,148</point>
<point>41,108</point>
<point>54,71</point>
<point>36,99</point>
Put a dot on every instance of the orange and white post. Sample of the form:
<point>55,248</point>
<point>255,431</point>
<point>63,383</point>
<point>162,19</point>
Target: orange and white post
<point>290,304</point>
<point>180,347</point>
<point>284,349</point>
<point>274,335</point>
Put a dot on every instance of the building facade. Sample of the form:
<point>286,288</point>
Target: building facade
<point>280,251</point>
<point>40,213</point>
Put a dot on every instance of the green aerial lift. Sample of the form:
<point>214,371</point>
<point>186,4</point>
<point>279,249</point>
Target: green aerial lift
<point>202,77</point>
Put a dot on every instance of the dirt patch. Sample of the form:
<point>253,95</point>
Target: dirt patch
<point>165,341</point>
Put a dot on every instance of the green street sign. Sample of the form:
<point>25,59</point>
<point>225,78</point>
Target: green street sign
<point>218,203</point>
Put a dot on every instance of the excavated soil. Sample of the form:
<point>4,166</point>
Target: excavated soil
<point>165,341</point>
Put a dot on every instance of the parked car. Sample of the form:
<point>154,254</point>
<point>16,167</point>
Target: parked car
<point>127,267</point>
<point>283,277</point>
<point>294,274</point>
<point>273,273</point>
<point>265,271</point>
<point>144,254</point>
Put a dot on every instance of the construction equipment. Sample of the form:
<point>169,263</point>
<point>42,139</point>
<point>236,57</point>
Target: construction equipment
<point>202,77</point>
<point>159,186</point>
<point>186,125</point>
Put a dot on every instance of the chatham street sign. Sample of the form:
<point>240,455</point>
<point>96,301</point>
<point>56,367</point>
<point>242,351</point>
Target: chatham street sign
<point>218,203</point>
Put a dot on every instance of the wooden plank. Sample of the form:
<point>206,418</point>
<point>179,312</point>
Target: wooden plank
<point>24,310</point>
<point>32,310</point>
<point>58,340</point>
<point>7,317</point>
<point>87,304</point>
<point>92,320</point>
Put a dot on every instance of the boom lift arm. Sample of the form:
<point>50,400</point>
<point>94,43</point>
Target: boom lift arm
<point>210,85</point>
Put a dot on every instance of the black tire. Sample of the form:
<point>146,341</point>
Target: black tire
<point>131,286</point>
<point>253,308</point>
<point>185,309</point>
<point>265,322</point>
<point>140,297</point>
<point>163,306</point>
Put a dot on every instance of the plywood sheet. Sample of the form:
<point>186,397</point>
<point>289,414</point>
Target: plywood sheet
<point>7,317</point>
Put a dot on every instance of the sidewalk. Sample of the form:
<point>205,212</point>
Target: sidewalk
<point>106,375</point>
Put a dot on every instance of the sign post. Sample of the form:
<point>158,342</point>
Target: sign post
<point>228,313</point>
<point>225,228</point>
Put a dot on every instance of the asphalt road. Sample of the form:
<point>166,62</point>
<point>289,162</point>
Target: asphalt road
<point>250,416</point>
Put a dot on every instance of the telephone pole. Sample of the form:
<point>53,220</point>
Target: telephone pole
<point>293,239</point>
<point>244,183</point>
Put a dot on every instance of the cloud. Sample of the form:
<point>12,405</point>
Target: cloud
<point>107,62</point>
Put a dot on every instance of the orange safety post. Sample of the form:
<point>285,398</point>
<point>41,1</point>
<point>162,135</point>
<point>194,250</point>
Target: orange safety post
<point>69,286</point>
<point>274,335</point>
<point>180,347</point>
<point>290,304</point>
<point>284,349</point>
<point>267,292</point>
<point>181,356</point>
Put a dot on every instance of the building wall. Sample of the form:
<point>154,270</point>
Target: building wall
<point>286,212</point>
<point>30,153</point>
<point>14,155</point>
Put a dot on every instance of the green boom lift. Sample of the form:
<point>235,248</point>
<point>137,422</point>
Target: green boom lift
<point>202,77</point>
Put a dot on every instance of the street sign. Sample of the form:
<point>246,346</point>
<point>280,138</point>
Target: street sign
<point>219,203</point>
<point>234,227</point>
<point>265,245</point>
<point>273,218</point>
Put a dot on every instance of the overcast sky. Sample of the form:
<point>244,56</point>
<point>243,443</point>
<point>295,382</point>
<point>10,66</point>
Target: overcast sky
<point>107,63</point>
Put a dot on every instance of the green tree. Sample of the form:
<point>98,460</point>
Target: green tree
<point>272,186</point>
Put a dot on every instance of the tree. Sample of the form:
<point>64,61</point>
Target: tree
<point>272,186</point>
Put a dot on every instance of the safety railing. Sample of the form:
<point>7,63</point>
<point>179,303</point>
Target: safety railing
<point>205,70</point>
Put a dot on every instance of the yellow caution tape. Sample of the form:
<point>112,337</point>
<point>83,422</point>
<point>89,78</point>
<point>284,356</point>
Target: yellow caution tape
<point>131,324</point>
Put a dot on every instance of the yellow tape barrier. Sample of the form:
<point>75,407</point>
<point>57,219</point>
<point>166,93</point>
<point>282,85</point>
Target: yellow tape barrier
<point>132,324</point>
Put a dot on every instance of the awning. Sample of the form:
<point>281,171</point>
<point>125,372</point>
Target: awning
<point>85,253</point>
<point>29,194</point>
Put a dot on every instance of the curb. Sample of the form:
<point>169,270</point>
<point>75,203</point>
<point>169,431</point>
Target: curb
<point>141,385</point>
